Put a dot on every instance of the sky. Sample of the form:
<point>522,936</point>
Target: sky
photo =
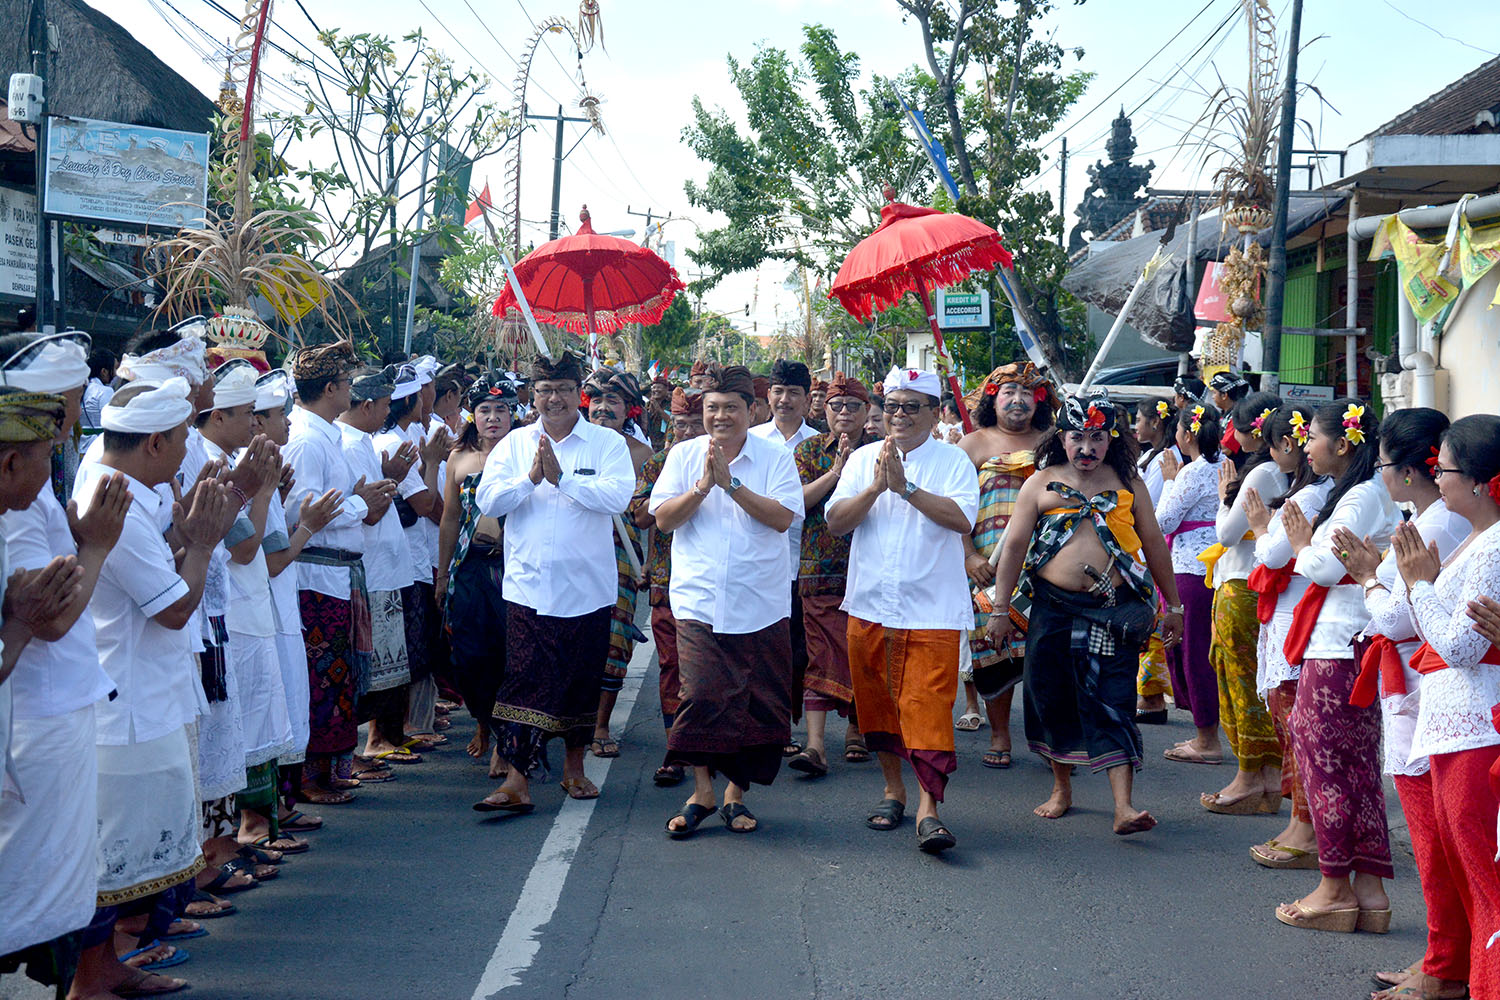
<point>1369,59</point>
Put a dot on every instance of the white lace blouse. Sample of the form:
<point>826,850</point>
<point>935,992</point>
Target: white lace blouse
<point>1368,512</point>
<point>1231,524</point>
<point>1273,551</point>
<point>1192,496</point>
<point>1390,616</point>
<point>1456,702</point>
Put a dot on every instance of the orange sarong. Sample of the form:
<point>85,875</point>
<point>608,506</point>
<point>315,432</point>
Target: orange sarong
<point>905,686</point>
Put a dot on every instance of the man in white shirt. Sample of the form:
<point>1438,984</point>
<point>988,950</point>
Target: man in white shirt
<point>910,501</point>
<point>729,497</point>
<point>141,607</point>
<point>791,383</point>
<point>330,574</point>
<point>558,483</point>
<point>97,392</point>
<point>388,569</point>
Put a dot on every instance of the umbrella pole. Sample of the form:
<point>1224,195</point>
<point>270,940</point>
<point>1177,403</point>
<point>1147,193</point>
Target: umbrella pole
<point>942,355</point>
<point>515,287</point>
<point>588,317</point>
<point>1147,273</point>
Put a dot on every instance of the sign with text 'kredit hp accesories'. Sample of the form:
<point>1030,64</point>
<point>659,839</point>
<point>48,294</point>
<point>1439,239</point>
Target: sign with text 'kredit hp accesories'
<point>963,310</point>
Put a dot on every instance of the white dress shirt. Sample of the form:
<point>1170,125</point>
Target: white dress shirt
<point>1153,476</point>
<point>151,666</point>
<point>388,559</point>
<point>1367,511</point>
<point>723,573</point>
<point>905,570</point>
<point>315,450</point>
<point>96,396</point>
<point>415,534</point>
<point>559,540</point>
<point>1192,496</point>
<point>1456,702</point>
<point>1390,616</point>
<point>51,678</point>
<point>769,432</point>
<point>1231,525</point>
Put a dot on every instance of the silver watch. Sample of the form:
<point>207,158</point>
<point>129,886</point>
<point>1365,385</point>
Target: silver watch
<point>734,485</point>
<point>909,489</point>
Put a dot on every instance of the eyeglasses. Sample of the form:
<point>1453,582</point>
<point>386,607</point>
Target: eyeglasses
<point>911,408</point>
<point>550,391</point>
<point>845,405</point>
<point>1438,472</point>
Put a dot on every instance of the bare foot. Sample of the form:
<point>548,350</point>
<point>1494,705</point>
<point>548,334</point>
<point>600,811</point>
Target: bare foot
<point>479,745</point>
<point>1054,808</point>
<point>1133,822</point>
<point>498,767</point>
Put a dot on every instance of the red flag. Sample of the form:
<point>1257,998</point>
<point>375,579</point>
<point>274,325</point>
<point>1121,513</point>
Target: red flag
<point>478,205</point>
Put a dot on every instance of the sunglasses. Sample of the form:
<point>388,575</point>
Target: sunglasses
<point>843,405</point>
<point>911,408</point>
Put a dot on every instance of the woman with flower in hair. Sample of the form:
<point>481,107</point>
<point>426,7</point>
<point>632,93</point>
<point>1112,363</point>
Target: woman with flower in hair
<point>1460,670</point>
<point>1278,590</point>
<point>1154,424</point>
<point>1189,502</point>
<point>1256,787</point>
<point>1336,744</point>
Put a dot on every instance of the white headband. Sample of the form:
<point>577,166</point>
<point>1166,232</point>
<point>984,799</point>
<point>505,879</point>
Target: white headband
<point>183,359</point>
<point>914,379</point>
<point>53,364</point>
<point>235,388</point>
<point>409,380</point>
<point>162,407</point>
<point>273,390</point>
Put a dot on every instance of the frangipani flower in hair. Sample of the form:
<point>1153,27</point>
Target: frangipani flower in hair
<point>1354,416</point>
<point>1197,422</point>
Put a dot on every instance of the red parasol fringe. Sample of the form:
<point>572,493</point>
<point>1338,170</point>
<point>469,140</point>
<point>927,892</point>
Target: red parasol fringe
<point>864,298</point>
<point>606,321</point>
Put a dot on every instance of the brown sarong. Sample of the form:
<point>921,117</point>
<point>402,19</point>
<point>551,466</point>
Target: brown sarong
<point>905,685</point>
<point>827,684</point>
<point>736,710</point>
<point>669,682</point>
<point>551,683</point>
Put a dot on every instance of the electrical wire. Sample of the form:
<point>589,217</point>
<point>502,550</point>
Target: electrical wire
<point>1435,31</point>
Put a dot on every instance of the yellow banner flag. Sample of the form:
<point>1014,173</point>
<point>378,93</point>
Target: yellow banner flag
<point>1417,263</point>
<point>291,297</point>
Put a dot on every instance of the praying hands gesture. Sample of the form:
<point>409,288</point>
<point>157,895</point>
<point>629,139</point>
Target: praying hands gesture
<point>1170,465</point>
<point>209,518</point>
<point>1485,613</point>
<point>440,442</point>
<point>1228,476</point>
<point>99,529</point>
<point>846,448</point>
<point>715,469</point>
<point>1417,561</point>
<point>545,465</point>
<point>889,468</point>
<point>1359,555</point>
<point>33,598</point>
<point>1256,512</point>
<point>1298,528</point>
<point>259,462</point>
<point>288,480</point>
<point>398,465</point>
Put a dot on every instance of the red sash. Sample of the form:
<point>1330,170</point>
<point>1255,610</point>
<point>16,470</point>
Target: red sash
<point>1495,767</point>
<point>1426,660</point>
<point>1229,444</point>
<point>1270,584</point>
<point>1304,619</point>
<point>1382,661</point>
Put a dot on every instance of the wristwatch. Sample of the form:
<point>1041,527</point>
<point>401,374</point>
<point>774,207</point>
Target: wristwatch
<point>909,489</point>
<point>1372,583</point>
<point>734,485</point>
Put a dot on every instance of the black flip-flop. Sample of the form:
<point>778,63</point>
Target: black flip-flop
<point>519,808</point>
<point>996,758</point>
<point>1156,718</point>
<point>933,837</point>
<point>227,871</point>
<point>199,896</point>
<point>891,809</point>
<point>732,812</point>
<point>692,816</point>
<point>792,749</point>
<point>668,775</point>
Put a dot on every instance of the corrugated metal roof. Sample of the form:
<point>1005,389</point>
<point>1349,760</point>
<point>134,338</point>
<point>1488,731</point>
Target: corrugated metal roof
<point>1451,110</point>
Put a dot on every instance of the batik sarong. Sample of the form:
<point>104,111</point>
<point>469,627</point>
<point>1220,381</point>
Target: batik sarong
<point>826,685</point>
<point>388,658</point>
<point>1000,481</point>
<point>148,818</point>
<point>1337,747</point>
<point>904,690</point>
<point>551,683</point>
<point>1279,702</point>
<point>669,679</point>
<point>326,630</point>
<point>1245,719</point>
<point>623,635</point>
<point>1154,678</point>
<point>476,627</point>
<point>1079,690</point>
<point>736,712</point>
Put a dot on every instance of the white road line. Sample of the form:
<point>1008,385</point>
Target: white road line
<point>520,941</point>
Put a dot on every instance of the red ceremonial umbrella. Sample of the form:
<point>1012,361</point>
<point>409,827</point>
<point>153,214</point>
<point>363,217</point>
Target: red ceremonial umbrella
<point>912,248</point>
<point>592,284</point>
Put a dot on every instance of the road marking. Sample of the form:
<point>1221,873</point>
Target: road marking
<point>521,939</point>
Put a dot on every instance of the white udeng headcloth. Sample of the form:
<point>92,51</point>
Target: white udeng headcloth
<point>183,359</point>
<point>160,408</point>
<point>55,363</point>
<point>914,379</point>
<point>235,387</point>
<point>273,390</point>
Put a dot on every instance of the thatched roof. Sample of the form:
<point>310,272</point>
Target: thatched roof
<point>101,71</point>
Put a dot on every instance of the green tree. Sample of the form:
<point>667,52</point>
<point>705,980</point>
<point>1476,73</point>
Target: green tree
<point>671,341</point>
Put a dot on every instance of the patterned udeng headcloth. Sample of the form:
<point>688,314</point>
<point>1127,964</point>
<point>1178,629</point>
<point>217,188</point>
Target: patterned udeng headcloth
<point>29,416</point>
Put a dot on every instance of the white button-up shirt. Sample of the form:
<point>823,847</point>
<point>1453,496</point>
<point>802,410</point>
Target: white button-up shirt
<point>388,564</point>
<point>51,678</point>
<point>416,534</point>
<point>315,450</point>
<point>769,431</point>
<point>152,666</point>
<point>905,570</point>
<point>1367,511</point>
<point>723,570</point>
<point>559,540</point>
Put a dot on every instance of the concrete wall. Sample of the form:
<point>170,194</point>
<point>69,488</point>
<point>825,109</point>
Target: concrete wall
<point>1470,356</point>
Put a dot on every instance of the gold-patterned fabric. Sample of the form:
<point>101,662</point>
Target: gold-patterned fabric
<point>29,416</point>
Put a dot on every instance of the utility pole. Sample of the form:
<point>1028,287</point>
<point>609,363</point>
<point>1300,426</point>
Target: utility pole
<point>555,227</point>
<point>41,50</point>
<point>390,173</point>
<point>416,246</point>
<point>1062,201</point>
<point>1276,271</point>
<point>648,215</point>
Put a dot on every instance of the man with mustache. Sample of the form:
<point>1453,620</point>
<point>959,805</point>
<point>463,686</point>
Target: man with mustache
<point>614,400</point>
<point>1013,415</point>
<point>909,501</point>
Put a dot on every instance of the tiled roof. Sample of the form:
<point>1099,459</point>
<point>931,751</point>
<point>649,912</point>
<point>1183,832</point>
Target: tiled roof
<point>12,139</point>
<point>1451,110</point>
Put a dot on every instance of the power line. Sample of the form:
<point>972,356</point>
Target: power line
<point>1435,31</point>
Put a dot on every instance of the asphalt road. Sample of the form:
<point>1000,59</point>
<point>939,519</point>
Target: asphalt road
<point>409,894</point>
